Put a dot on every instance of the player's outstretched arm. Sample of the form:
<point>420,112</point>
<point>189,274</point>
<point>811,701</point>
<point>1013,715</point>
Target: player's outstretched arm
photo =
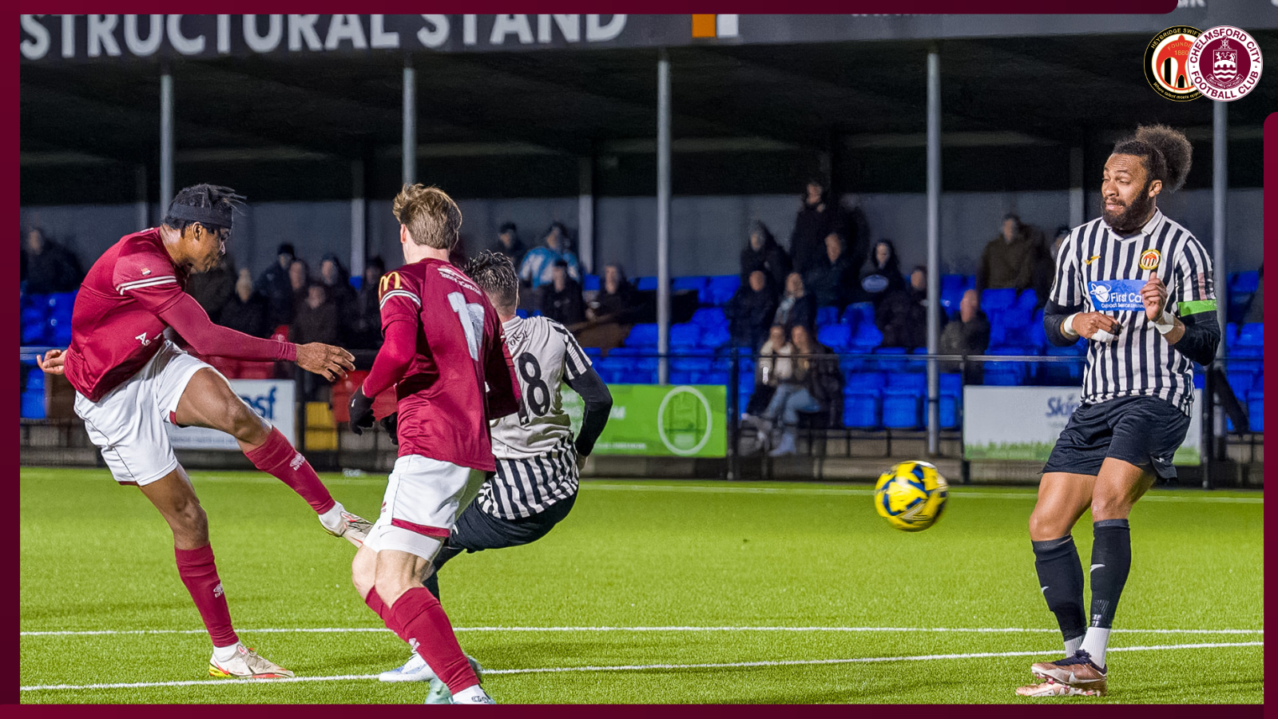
<point>598,402</point>
<point>392,362</point>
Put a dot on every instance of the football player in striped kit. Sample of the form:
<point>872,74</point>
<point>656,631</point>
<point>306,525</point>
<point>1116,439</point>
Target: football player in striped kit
<point>538,458</point>
<point>1138,286</point>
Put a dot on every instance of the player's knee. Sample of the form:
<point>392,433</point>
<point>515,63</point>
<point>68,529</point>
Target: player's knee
<point>1043,526</point>
<point>1110,507</point>
<point>189,520</point>
<point>364,572</point>
<point>245,425</point>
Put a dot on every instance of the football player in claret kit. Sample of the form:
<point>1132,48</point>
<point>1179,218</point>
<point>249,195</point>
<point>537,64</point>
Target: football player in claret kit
<point>538,459</point>
<point>1138,286</point>
<point>446,357</point>
<point>130,379</point>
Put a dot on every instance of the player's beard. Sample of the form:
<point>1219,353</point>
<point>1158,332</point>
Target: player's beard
<point>1132,216</point>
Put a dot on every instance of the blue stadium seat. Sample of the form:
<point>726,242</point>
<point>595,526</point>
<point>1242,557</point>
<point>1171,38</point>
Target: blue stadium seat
<point>949,411</point>
<point>1241,382</point>
<point>1010,325</point>
<point>952,289</point>
<point>684,335</point>
<point>715,337</point>
<point>1244,281</point>
<point>593,353</point>
<point>862,409</point>
<point>855,364</point>
<point>642,335</point>
<point>693,360</point>
<point>710,317</point>
<point>679,377</point>
<point>901,409</point>
<point>646,283</point>
<point>952,384</point>
<point>865,337</point>
<point>858,314</point>
<point>35,380</point>
<point>59,331</point>
<point>854,381</point>
<point>60,303</point>
<point>913,381</point>
<point>32,405</point>
<point>827,316</point>
<point>719,378</point>
<point>590,283</point>
<point>836,337</point>
<point>890,359</point>
<point>998,299</point>
<point>1027,300</point>
<point>1037,335</point>
<point>521,312</point>
<point>1005,373</point>
<point>1256,411</point>
<point>1251,334</point>
<point>695,282</point>
<point>720,289</point>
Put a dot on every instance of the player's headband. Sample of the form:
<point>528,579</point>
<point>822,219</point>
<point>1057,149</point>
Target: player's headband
<point>221,217</point>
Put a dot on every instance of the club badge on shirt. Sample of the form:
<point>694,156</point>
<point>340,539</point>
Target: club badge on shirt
<point>1116,295</point>
<point>1149,259</point>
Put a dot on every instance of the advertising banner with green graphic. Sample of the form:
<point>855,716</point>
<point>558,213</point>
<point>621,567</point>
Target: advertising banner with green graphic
<point>1023,423</point>
<point>657,421</point>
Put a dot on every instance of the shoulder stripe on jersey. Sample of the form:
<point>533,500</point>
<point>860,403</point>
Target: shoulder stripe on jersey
<point>149,282</point>
<point>400,293</point>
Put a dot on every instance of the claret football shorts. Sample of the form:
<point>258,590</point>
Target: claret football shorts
<point>421,505</point>
<point>127,425</point>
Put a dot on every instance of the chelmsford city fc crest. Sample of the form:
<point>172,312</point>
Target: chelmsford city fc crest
<point>1224,63</point>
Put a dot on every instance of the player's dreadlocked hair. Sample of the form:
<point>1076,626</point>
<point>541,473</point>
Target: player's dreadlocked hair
<point>1166,152</point>
<point>495,275</point>
<point>213,206</point>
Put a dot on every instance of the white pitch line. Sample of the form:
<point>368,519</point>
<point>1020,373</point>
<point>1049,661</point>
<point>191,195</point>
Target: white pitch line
<point>343,630</point>
<point>954,492</point>
<point>633,667</point>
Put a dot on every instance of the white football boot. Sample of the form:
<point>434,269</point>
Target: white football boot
<point>414,670</point>
<point>246,664</point>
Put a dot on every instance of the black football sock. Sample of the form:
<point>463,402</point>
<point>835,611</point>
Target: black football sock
<point>1060,576</point>
<point>1111,562</point>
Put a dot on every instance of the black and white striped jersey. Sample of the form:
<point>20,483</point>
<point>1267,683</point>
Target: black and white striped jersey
<point>536,459</point>
<point>1103,272</point>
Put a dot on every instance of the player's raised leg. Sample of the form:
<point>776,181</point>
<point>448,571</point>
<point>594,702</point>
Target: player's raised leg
<point>175,498</point>
<point>209,401</point>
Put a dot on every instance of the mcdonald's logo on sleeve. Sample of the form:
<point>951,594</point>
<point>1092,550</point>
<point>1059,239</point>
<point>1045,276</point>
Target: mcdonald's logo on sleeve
<point>387,280</point>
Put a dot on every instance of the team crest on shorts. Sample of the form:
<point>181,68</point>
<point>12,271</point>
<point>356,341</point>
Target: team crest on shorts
<point>1225,63</point>
<point>1166,63</point>
<point>1149,259</point>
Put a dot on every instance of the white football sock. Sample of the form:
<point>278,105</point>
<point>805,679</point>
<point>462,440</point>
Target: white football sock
<point>1095,642</point>
<point>332,519</point>
<point>469,695</point>
<point>227,653</point>
<point>1072,645</point>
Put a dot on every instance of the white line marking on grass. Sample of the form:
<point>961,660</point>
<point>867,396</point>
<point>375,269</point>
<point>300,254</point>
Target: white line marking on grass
<point>341,630</point>
<point>631,667</point>
<point>954,491</point>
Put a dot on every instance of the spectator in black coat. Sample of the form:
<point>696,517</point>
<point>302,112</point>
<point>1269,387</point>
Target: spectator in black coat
<point>366,322</point>
<point>883,276</point>
<point>561,298</point>
<point>763,253</point>
<point>509,244</point>
<point>751,311</point>
<point>274,285</point>
<point>214,288</point>
<point>614,302</point>
<point>832,279</point>
<point>316,321</point>
<point>246,310</point>
<point>796,307</point>
<point>818,217</point>
<point>299,280</point>
<point>337,285</point>
<point>968,335</point>
<point>50,266</point>
<point>902,315</point>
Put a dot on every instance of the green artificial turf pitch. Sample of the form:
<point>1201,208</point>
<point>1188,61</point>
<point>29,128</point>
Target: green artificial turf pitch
<point>651,591</point>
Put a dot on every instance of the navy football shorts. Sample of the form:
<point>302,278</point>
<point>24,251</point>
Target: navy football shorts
<point>476,530</point>
<point>1144,431</point>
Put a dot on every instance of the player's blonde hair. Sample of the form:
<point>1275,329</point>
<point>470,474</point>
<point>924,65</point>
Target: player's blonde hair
<point>431,216</point>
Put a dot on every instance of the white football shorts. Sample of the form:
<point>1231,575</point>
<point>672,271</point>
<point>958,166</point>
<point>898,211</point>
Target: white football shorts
<point>128,423</point>
<point>421,505</point>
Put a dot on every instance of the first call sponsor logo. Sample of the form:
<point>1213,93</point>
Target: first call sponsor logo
<point>1116,295</point>
<point>79,37</point>
<point>1225,63</point>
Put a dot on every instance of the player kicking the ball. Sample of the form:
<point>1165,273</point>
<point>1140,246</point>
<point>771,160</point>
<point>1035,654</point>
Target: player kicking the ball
<point>1138,286</point>
<point>446,358</point>
<point>130,379</point>
<point>535,484</point>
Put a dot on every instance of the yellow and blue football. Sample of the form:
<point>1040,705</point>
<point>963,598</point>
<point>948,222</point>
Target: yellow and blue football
<point>911,496</point>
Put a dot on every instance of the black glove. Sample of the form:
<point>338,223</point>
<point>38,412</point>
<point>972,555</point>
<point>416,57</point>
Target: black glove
<point>390,423</point>
<point>361,412</point>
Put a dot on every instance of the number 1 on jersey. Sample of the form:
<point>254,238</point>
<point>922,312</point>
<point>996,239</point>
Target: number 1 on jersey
<point>471,316</point>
